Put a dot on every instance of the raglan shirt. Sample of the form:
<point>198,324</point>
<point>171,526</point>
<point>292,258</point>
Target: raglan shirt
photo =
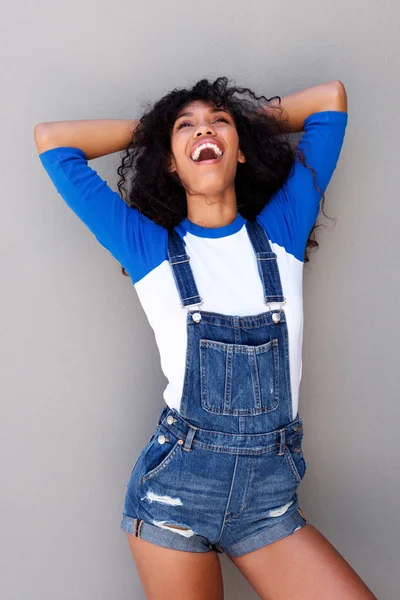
<point>222,258</point>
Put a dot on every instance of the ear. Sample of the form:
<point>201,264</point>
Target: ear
<point>172,165</point>
<point>241,156</point>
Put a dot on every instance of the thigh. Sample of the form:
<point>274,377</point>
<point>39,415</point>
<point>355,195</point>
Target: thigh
<point>302,566</point>
<point>167,574</point>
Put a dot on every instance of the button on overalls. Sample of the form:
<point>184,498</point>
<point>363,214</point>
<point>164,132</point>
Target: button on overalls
<point>222,473</point>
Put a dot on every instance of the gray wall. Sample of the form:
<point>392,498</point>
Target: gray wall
<point>81,382</point>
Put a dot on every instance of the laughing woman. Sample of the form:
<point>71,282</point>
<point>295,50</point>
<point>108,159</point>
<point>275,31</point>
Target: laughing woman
<point>213,229</point>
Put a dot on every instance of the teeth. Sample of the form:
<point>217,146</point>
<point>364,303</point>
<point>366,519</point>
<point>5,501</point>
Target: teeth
<point>196,153</point>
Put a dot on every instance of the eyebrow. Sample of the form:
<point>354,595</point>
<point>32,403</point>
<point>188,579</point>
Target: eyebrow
<point>212,110</point>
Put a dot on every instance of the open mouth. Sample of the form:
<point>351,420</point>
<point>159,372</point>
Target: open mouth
<point>207,153</point>
<point>209,161</point>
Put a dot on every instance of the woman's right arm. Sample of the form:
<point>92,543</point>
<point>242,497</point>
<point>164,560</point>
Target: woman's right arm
<point>65,147</point>
<point>96,137</point>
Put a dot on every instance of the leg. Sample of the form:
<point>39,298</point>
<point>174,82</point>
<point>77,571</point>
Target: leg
<point>168,574</point>
<point>302,566</point>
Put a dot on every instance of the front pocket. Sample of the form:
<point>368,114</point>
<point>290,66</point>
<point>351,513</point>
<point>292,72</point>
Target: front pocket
<point>159,456</point>
<point>237,379</point>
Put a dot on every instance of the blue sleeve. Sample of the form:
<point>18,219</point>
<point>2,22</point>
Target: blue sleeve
<point>138,243</point>
<point>291,213</point>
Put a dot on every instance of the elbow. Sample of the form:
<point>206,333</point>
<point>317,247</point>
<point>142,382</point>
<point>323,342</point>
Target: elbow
<point>337,96</point>
<point>40,129</point>
<point>340,89</point>
<point>41,136</point>
<point>338,84</point>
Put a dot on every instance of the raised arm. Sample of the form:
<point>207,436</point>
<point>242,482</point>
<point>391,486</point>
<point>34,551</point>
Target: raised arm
<point>299,105</point>
<point>96,137</point>
<point>64,149</point>
<point>321,112</point>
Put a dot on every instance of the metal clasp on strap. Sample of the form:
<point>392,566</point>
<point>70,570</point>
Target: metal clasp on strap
<point>276,316</point>
<point>196,314</point>
<point>183,257</point>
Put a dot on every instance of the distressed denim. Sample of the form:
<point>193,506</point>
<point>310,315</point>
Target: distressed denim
<point>222,473</point>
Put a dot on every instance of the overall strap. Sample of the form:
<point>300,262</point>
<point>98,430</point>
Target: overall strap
<point>267,263</point>
<point>182,271</point>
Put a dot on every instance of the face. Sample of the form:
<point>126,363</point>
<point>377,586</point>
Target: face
<point>197,123</point>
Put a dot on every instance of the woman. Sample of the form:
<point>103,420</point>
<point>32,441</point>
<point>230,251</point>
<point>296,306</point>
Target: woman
<point>214,232</point>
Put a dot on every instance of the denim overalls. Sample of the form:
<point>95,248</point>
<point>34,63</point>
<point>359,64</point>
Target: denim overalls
<point>222,473</point>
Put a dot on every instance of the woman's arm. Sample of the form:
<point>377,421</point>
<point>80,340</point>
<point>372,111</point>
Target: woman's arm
<point>96,137</point>
<point>299,105</point>
<point>290,215</point>
<point>65,147</point>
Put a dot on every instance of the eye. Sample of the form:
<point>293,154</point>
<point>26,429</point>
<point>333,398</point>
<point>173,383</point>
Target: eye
<point>186,123</point>
<point>182,124</point>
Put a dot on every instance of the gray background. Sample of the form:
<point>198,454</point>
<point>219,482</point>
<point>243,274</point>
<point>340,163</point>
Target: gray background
<point>81,382</point>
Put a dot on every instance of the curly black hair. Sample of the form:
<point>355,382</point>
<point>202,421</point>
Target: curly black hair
<point>270,154</point>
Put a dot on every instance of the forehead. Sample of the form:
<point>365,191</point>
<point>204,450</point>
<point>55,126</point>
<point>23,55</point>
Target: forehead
<point>198,105</point>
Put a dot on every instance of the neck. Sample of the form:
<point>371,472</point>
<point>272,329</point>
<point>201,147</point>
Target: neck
<point>212,210</point>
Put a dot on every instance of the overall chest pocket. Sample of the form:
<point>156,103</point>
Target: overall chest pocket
<point>238,379</point>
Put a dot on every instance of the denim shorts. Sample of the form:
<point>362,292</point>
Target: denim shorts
<point>198,490</point>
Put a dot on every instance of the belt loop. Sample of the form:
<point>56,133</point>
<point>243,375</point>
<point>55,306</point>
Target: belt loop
<point>282,442</point>
<point>189,437</point>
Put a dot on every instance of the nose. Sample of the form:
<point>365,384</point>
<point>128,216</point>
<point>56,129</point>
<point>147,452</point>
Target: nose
<point>204,130</point>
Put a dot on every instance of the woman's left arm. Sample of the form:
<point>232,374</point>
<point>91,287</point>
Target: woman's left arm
<point>299,105</point>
